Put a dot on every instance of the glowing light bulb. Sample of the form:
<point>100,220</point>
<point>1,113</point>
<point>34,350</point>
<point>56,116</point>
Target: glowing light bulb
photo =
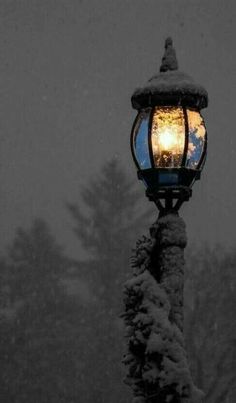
<point>167,140</point>
<point>168,136</point>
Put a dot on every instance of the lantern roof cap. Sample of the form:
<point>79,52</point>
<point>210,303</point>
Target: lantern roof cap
<point>170,87</point>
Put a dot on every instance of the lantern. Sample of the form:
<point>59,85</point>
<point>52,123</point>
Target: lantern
<point>169,138</point>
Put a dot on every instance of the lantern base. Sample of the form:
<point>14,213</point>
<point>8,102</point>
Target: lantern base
<point>169,199</point>
<point>169,188</point>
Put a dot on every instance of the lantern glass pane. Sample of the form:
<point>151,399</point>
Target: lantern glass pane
<point>141,148</point>
<point>197,138</point>
<point>168,136</point>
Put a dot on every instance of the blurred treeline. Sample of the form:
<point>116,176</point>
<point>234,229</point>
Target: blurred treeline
<point>61,338</point>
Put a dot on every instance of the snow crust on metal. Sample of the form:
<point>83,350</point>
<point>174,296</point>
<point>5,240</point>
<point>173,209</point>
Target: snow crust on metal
<point>170,86</point>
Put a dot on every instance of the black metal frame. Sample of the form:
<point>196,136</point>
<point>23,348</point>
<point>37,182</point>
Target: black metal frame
<point>169,197</point>
<point>150,97</point>
<point>173,198</point>
<point>186,126</point>
<point>166,196</point>
<point>132,137</point>
<point>150,138</point>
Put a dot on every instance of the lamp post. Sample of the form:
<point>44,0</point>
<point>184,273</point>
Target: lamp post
<point>168,143</point>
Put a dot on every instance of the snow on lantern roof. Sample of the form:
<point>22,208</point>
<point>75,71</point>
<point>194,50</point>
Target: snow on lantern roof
<point>170,86</point>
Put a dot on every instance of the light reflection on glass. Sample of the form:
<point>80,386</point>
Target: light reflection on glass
<point>197,133</point>
<point>141,141</point>
<point>168,136</point>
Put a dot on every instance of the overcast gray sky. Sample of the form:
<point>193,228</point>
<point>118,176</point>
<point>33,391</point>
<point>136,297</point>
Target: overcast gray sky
<point>67,71</point>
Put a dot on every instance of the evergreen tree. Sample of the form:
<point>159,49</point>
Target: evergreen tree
<point>210,324</point>
<point>39,328</point>
<point>107,220</point>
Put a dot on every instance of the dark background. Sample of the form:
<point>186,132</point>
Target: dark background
<point>71,207</point>
<point>67,71</point>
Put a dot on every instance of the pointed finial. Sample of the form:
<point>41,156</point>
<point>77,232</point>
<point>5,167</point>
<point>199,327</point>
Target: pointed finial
<point>169,60</point>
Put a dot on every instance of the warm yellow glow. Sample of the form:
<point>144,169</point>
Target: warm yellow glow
<point>168,136</point>
<point>167,140</point>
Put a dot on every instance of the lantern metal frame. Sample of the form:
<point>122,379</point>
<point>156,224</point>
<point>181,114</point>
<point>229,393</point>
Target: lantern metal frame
<point>169,187</point>
<point>168,196</point>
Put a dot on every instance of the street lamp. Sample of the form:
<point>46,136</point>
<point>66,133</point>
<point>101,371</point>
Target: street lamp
<point>168,143</point>
<point>169,138</point>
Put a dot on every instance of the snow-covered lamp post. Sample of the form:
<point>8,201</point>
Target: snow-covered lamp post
<point>168,143</point>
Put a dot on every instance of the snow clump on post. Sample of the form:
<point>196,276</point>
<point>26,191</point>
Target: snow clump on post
<point>157,362</point>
